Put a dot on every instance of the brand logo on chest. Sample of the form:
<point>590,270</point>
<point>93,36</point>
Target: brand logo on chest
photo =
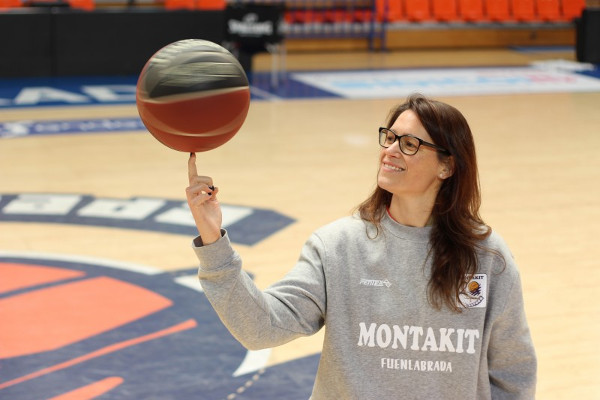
<point>375,282</point>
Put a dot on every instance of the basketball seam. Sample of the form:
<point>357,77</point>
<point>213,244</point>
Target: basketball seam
<point>191,95</point>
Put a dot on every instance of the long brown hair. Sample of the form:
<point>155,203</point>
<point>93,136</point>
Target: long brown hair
<point>457,229</point>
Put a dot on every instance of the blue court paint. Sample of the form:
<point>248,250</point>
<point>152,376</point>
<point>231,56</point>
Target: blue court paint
<point>96,90</point>
<point>198,362</point>
<point>287,88</point>
<point>64,91</point>
<point>543,49</point>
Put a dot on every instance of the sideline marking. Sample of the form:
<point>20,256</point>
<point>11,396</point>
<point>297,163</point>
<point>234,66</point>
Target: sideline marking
<point>449,82</point>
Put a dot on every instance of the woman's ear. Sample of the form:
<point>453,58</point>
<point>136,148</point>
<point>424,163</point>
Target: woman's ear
<point>447,168</point>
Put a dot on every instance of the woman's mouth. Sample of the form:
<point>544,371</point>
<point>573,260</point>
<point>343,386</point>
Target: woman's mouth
<point>391,167</point>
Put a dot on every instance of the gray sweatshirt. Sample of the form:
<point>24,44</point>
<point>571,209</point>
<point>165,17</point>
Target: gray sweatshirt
<point>383,340</point>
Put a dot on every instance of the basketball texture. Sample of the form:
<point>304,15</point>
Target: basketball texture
<point>193,95</point>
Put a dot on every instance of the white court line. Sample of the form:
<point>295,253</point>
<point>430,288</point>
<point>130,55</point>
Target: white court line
<point>264,94</point>
<point>142,269</point>
<point>255,360</point>
<point>190,281</point>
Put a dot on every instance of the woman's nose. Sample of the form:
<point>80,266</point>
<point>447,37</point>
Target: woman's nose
<point>394,149</point>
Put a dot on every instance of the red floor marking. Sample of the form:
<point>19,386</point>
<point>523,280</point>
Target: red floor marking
<point>189,324</point>
<point>92,390</point>
<point>51,318</point>
<point>21,276</point>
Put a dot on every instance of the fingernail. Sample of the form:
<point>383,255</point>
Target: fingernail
<point>211,187</point>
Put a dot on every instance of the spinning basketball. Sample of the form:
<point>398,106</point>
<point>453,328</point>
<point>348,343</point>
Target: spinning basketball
<point>193,95</point>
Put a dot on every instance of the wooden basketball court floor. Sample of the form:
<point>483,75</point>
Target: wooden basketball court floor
<point>313,160</point>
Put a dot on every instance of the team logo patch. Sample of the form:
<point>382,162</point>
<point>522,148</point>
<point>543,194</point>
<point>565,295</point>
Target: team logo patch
<point>474,294</point>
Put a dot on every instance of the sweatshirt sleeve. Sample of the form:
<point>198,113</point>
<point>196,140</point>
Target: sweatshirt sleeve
<point>291,308</point>
<point>512,361</point>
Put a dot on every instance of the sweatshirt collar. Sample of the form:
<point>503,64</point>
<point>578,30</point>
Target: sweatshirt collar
<point>406,232</point>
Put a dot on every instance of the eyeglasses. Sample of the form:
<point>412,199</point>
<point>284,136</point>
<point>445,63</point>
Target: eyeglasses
<point>409,144</point>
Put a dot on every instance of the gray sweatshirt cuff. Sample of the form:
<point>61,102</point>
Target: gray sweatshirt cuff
<point>214,255</point>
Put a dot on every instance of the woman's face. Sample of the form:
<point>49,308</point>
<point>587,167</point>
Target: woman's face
<point>416,176</point>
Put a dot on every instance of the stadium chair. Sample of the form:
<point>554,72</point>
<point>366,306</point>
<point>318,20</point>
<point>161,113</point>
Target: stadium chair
<point>523,10</point>
<point>317,15</point>
<point>471,10</point>
<point>497,10</point>
<point>295,16</point>
<point>180,4</point>
<point>363,15</point>
<point>548,10</point>
<point>210,4</point>
<point>87,5</point>
<point>445,10</point>
<point>330,15</point>
<point>389,10</point>
<point>417,10</point>
<point>571,9</point>
<point>10,4</point>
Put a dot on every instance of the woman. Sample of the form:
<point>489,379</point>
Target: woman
<point>419,298</point>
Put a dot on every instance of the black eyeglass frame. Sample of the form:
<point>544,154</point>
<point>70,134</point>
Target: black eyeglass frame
<point>383,130</point>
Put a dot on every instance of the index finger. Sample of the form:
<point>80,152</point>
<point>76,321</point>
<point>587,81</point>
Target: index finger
<point>192,170</point>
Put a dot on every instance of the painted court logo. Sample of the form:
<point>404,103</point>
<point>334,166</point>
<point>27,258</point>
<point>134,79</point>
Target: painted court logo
<point>247,225</point>
<point>77,327</point>
<point>73,326</point>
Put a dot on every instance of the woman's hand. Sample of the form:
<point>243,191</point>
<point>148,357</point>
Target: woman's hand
<point>203,203</point>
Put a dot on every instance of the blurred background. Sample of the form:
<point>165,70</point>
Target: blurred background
<point>98,291</point>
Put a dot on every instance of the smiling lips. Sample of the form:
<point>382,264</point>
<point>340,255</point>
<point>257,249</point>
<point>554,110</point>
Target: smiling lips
<point>392,167</point>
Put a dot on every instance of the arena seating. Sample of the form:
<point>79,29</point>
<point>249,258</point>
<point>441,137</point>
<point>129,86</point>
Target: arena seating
<point>571,9</point>
<point>497,10</point>
<point>390,11</point>
<point>445,10</point>
<point>435,10</point>
<point>471,10</point>
<point>7,4</point>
